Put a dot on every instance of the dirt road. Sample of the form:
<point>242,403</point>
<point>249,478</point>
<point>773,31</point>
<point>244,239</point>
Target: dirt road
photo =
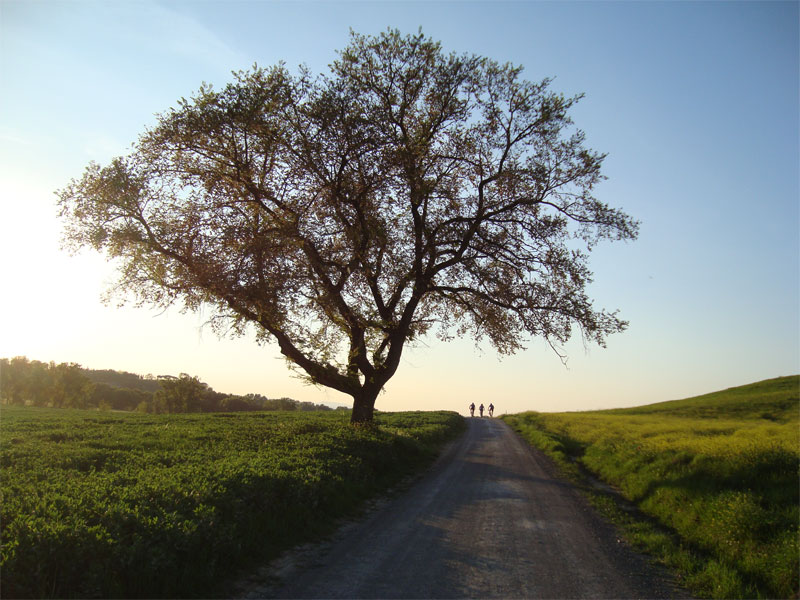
<point>489,520</point>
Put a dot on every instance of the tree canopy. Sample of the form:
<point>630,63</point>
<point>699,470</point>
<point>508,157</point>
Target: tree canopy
<point>345,215</point>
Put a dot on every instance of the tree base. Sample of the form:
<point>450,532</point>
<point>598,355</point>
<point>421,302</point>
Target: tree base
<point>363,411</point>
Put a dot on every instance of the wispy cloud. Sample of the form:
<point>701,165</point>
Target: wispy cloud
<point>164,29</point>
<point>9,139</point>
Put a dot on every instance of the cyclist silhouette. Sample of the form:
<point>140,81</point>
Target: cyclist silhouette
<point>481,409</point>
<point>472,410</point>
<point>491,409</point>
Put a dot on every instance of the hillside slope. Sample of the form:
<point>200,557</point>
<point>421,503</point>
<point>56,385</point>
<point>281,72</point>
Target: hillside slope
<point>772,399</point>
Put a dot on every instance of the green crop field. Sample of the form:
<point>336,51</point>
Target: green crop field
<point>715,479</point>
<point>105,505</point>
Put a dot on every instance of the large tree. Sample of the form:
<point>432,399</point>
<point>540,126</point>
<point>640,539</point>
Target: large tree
<point>344,215</point>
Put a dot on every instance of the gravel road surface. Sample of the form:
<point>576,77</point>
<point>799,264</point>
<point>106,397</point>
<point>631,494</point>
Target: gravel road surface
<point>488,520</point>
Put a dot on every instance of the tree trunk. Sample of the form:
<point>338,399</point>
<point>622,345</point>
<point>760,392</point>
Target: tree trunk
<point>364,406</point>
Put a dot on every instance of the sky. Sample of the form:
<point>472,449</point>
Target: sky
<point>696,104</point>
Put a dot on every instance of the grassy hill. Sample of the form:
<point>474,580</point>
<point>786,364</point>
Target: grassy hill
<point>772,399</point>
<point>715,480</point>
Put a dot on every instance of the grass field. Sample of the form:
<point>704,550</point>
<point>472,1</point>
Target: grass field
<point>716,476</point>
<point>124,505</point>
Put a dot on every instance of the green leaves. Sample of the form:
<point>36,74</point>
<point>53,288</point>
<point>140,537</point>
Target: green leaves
<point>123,505</point>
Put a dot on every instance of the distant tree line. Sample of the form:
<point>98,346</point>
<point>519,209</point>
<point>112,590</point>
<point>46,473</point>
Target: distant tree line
<point>68,385</point>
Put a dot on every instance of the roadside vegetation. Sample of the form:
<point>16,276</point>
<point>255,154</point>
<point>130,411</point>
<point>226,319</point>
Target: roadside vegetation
<point>714,478</point>
<point>98,504</point>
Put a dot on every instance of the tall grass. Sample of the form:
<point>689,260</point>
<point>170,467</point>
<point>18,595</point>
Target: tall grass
<point>719,472</point>
<point>124,505</point>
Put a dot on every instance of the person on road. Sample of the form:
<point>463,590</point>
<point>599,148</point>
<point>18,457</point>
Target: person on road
<point>481,409</point>
<point>472,410</point>
<point>491,409</point>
